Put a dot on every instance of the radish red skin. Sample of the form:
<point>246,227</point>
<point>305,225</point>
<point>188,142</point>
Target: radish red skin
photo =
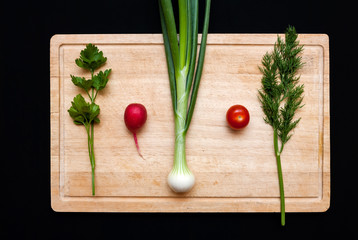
<point>135,117</point>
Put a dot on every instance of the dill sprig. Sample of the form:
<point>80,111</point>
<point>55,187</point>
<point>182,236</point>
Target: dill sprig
<point>281,94</point>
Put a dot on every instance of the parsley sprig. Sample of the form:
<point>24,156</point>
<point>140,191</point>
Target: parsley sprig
<point>281,95</point>
<point>86,113</point>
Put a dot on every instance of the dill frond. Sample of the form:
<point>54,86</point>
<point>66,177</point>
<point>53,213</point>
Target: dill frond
<point>281,94</point>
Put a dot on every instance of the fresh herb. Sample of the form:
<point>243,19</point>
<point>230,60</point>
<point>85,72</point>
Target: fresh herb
<point>86,113</point>
<point>183,78</point>
<point>281,95</point>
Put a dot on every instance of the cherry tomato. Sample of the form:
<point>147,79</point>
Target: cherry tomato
<point>237,117</point>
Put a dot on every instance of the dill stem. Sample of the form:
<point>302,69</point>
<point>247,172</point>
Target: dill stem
<point>280,178</point>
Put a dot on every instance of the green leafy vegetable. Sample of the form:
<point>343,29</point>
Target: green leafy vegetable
<point>184,79</point>
<point>91,58</point>
<point>86,113</point>
<point>82,82</point>
<point>100,80</point>
<point>83,112</point>
<point>281,95</point>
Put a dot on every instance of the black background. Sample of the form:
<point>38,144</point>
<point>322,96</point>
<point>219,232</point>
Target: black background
<point>26,29</point>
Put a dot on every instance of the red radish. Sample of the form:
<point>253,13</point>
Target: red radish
<point>135,116</point>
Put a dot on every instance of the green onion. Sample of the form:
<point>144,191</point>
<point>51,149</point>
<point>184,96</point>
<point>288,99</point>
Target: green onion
<point>184,77</point>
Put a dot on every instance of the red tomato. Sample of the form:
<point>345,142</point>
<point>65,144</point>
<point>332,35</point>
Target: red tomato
<point>237,117</point>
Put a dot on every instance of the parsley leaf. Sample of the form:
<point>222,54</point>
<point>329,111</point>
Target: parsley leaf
<point>100,80</point>
<point>94,112</point>
<point>83,112</point>
<point>82,82</point>
<point>90,58</point>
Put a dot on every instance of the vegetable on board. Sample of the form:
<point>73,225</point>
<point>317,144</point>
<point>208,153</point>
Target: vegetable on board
<point>135,116</point>
<point>184,77</point>
<point>86,113</point>
<point>238,117</point>
<point>281,95</point>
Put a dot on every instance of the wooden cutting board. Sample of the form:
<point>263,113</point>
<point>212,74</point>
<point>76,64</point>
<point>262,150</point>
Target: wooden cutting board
<point>235,170</point>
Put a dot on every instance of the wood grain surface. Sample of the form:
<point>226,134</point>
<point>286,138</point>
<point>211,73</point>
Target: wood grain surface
<point>235,170</point>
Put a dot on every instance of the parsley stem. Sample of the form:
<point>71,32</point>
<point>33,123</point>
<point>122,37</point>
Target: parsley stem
<point>92,158</point>
<point>93,163</point>
<point>95,96</point>
<point>92,144</point>
<point>88,94</point>
<point>90,137</point>
<point>88,140</point>
<point>280,178</point>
